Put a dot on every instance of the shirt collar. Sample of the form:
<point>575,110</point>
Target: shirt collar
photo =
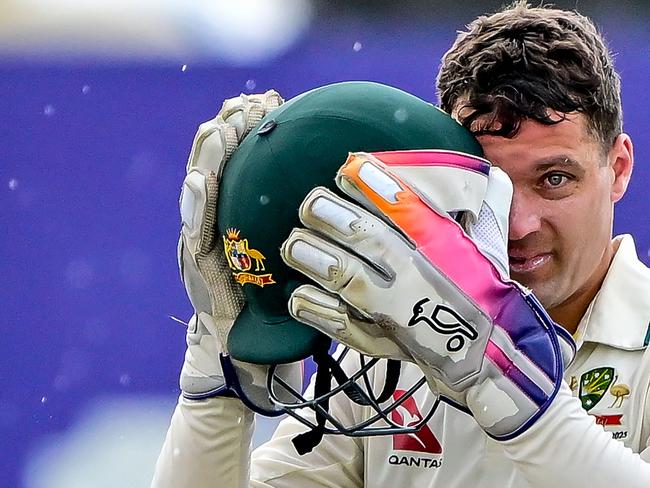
<point>618,315</point>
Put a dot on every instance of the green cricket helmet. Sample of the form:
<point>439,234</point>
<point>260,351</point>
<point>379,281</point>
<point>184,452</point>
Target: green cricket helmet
<point>295,148</point>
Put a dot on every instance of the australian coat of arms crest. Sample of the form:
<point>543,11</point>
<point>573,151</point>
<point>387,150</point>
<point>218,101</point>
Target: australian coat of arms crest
<point>242,259</point>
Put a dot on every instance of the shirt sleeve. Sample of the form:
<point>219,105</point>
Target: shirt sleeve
<point>567,448</point>
<point>207,445</point>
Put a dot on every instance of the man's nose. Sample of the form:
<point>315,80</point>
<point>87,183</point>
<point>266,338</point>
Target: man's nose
<point>524,216</point>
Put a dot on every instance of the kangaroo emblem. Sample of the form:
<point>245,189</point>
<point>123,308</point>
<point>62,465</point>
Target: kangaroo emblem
<point>447,321</point>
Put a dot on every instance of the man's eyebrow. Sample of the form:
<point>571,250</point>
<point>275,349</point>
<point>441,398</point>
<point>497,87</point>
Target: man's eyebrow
<point>554,161</point>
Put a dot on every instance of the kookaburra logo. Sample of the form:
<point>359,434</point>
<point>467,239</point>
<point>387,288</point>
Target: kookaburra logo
<point>445,320</point>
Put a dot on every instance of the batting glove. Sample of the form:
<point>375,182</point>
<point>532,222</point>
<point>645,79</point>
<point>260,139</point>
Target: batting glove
<point>215,296</point>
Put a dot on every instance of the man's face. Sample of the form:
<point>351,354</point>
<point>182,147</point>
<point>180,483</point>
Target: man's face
<point>562,208</point>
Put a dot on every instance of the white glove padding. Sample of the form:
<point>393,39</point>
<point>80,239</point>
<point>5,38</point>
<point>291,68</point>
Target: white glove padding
<point>216,297</point>
<point>405,281</point>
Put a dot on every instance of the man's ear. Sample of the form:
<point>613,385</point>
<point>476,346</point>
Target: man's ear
<point>621,161</point>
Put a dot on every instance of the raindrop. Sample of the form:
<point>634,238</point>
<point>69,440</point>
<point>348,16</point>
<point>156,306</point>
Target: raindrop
<point>401,115</point>
<point>184,68</point>
<point>13,184</point>
<point>176,319</point>
<point>251,84</point>
<point>357,47</point>
<point>85,89</point>
<point>49,110</point>
<point>43,400</point>
<point>125,380</point>
<point>176,452</point>
<point>264,199</point>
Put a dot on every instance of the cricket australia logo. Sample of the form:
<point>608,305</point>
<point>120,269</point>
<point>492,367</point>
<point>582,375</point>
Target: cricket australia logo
<point>593,386</point>
<point>241,258</point>
<point>445,320</point>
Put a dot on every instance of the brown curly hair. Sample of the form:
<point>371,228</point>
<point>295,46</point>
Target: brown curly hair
<point>520,62</point>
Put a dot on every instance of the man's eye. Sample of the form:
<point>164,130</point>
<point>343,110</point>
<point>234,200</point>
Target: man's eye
<point>555,179</point>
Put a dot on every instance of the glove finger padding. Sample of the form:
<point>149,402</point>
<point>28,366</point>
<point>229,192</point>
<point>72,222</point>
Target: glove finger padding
<point>487,342</point>
<point>246,111</point>
<point>202,259</point>
<point>215,296</point>
<point>336,319</point>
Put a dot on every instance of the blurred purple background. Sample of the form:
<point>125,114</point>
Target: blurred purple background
<point>92,155</point>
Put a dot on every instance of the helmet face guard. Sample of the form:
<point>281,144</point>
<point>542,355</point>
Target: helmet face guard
<point>359,390</point>
<point>282,394</point>
<point>297,147</point>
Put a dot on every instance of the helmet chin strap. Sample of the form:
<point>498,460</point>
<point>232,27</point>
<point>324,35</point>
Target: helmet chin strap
<point>306,441</point>
<point>328,367</point>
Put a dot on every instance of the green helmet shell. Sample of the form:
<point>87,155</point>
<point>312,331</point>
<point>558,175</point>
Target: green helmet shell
<point>295,148</point>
